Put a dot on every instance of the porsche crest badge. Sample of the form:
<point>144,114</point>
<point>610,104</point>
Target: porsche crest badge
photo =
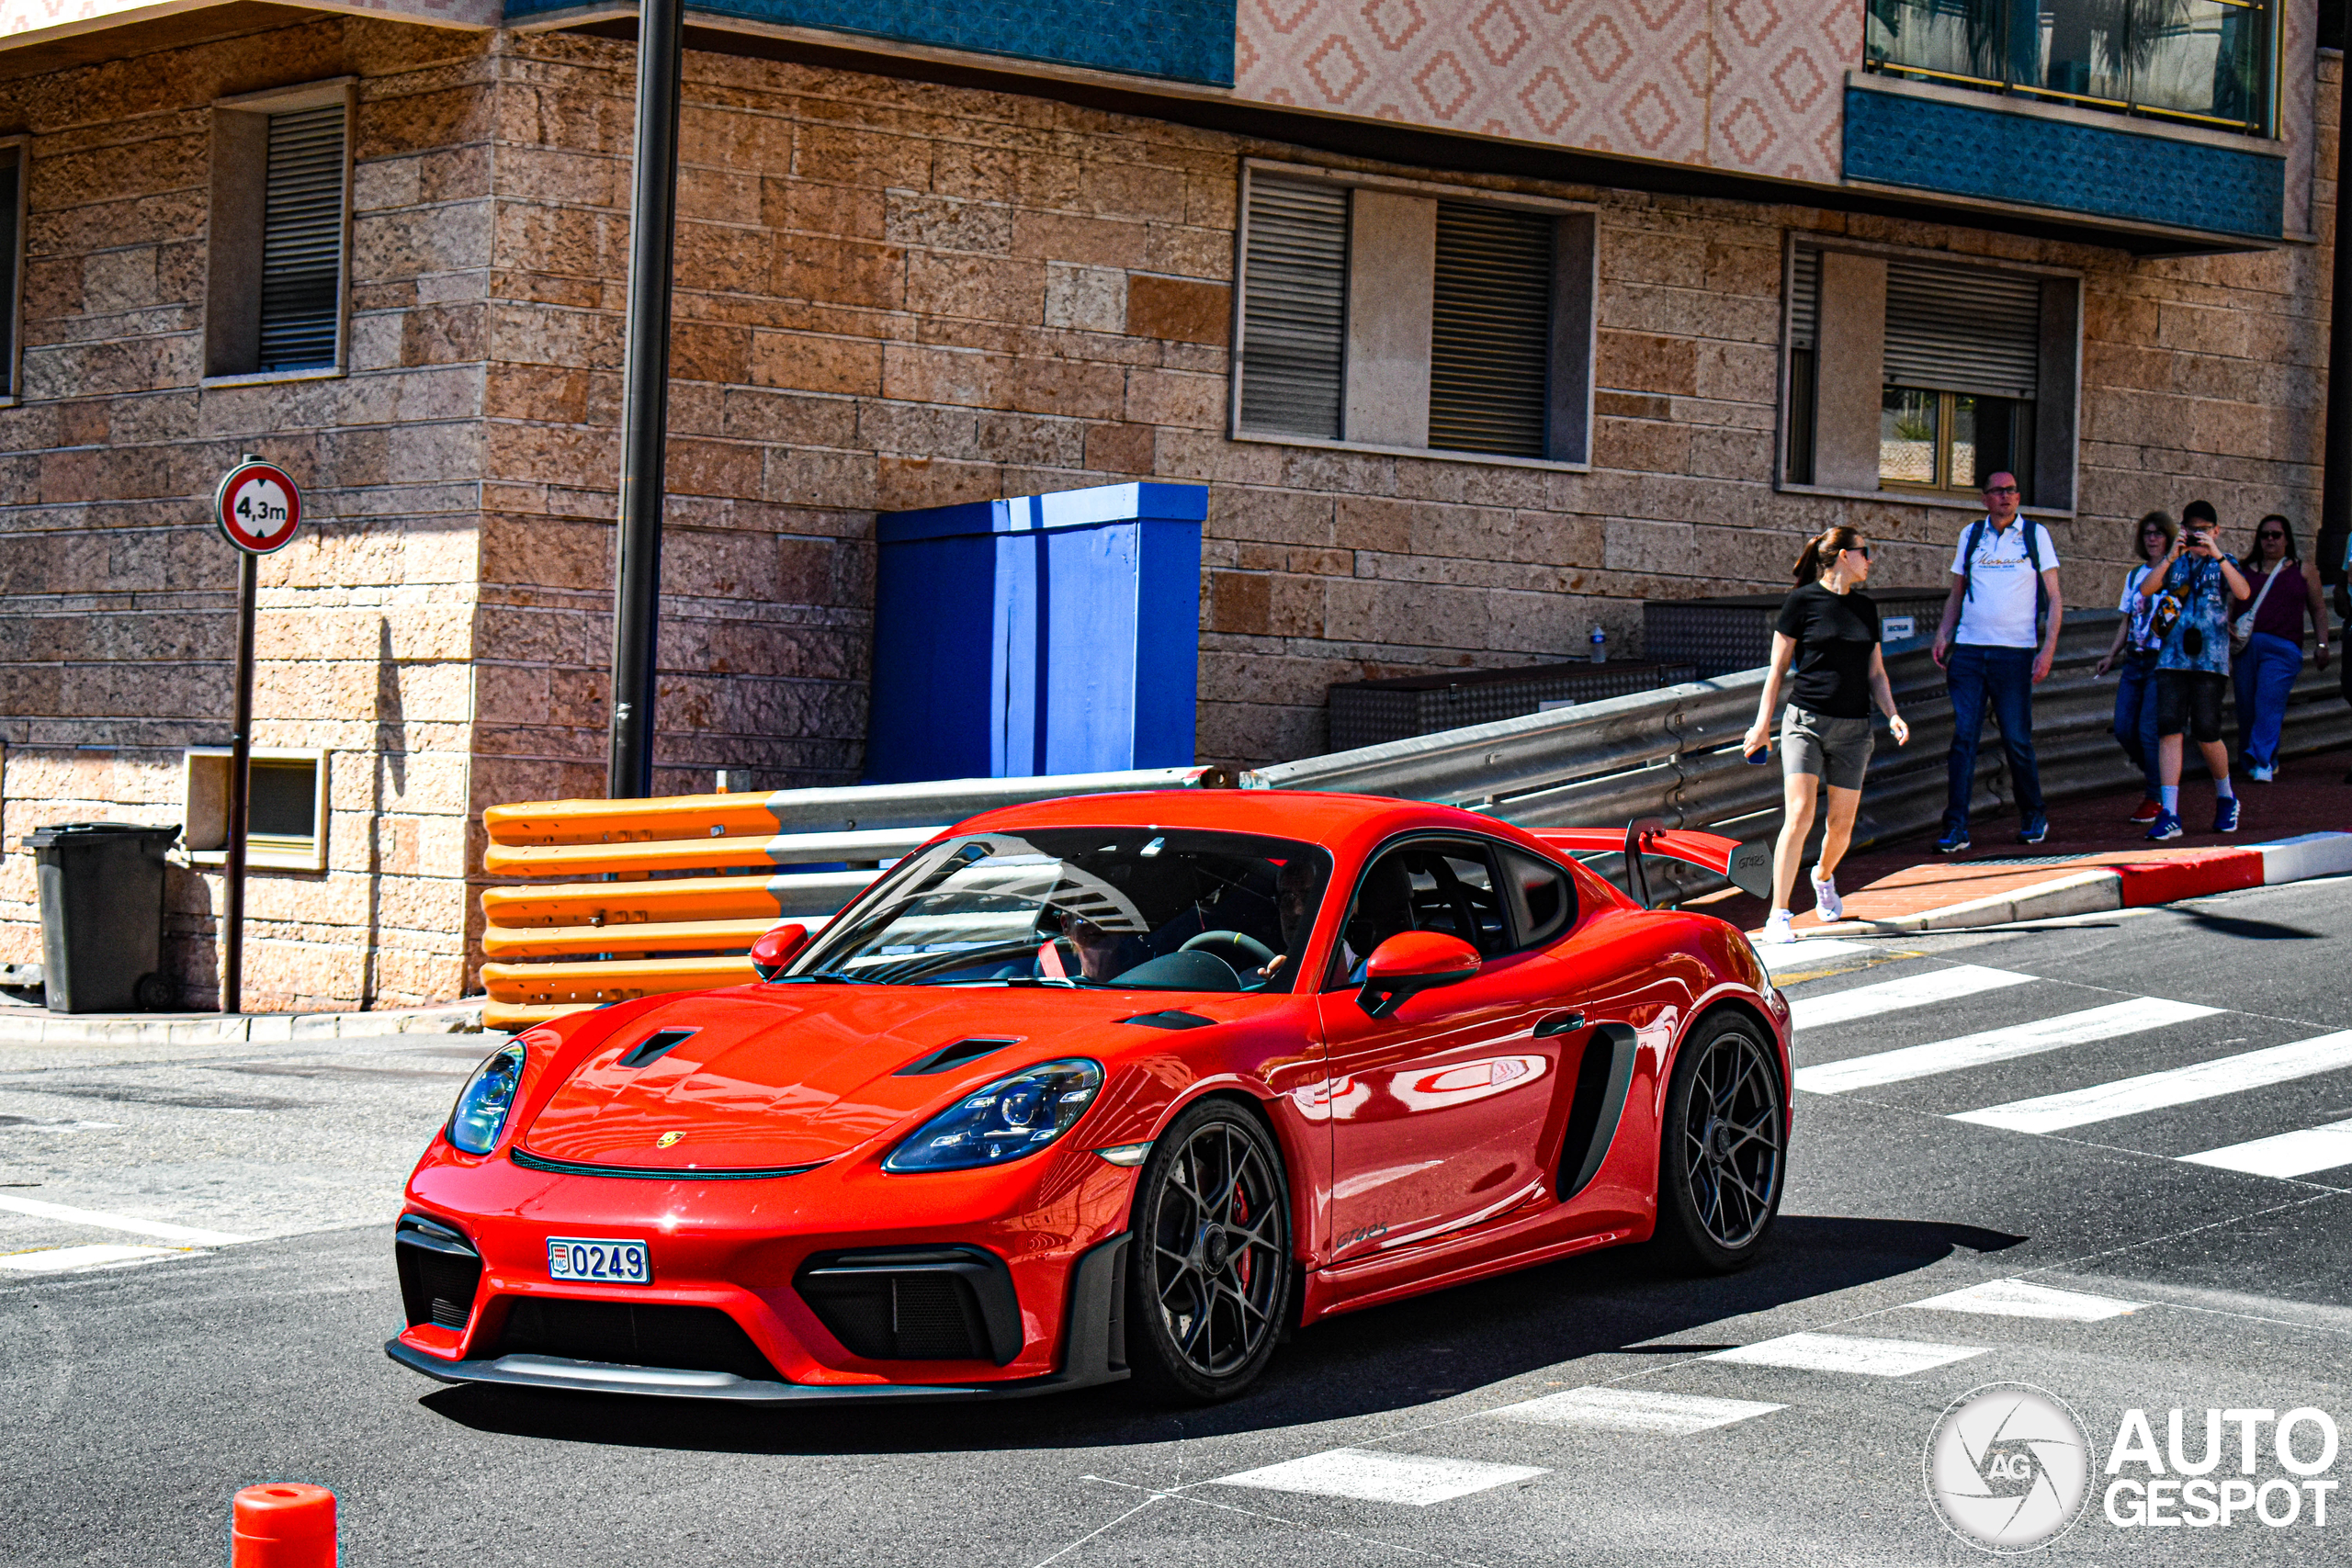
<point>666,1139</point>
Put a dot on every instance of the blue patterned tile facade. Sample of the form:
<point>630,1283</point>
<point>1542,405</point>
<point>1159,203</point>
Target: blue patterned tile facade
<point>1892,139</point>
<point>1189,41</point>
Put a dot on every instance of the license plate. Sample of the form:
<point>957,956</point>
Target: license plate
<point>606,1262</point>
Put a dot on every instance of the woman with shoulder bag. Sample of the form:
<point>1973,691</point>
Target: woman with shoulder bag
<point>1828,631</point>
<point>2267,639</point>
<point>2134,655</point>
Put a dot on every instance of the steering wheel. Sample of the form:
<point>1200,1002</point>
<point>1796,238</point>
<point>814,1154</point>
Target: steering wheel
<point>1257,954</point>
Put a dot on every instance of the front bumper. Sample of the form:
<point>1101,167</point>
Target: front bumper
<point>1094,1340</point>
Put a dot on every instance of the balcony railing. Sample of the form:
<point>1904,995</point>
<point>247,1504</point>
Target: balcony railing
<point>2208,63</point>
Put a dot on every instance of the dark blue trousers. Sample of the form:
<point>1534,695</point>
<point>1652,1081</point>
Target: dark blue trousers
<point>2000,678</point>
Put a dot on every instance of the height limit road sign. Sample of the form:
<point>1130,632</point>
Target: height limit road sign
<point>258,507</point>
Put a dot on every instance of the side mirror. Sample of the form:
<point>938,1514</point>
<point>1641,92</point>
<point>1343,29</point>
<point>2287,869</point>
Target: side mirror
<point>777,947</point>
<point>1410,963</point>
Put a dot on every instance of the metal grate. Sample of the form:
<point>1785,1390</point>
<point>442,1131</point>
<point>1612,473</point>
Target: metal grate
<point>1490,339</point>
<point>694,1338</point>
<point>1961,329</point>
<point>1294,310</point>
<point>301,240</point>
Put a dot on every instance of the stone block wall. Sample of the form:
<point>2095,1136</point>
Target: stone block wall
<point>117,595</point>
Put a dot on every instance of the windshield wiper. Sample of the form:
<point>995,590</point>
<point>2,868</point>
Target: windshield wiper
<point>825,977</point>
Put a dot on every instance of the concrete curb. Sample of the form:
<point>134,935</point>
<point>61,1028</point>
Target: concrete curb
<point>30,1026</point>
<point>2089,890</point>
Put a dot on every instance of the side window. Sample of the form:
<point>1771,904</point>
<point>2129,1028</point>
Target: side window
<point>1431,886</point>
<point>1543,900</point>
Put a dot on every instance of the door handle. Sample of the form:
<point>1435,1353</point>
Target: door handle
<point>1559,1023</point>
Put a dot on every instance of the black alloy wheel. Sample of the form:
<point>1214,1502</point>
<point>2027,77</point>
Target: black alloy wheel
<point>1724,1158</point>
<point>1208,1271</point>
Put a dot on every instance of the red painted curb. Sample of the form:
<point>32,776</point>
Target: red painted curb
<point>2190,875</point>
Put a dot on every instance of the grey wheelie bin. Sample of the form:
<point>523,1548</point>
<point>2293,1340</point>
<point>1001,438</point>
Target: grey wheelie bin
<point>102,915</point>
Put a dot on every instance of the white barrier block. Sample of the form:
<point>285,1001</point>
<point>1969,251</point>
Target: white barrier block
<point>2306,855</point>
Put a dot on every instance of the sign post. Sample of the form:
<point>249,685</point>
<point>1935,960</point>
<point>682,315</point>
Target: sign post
<point>259,508</point>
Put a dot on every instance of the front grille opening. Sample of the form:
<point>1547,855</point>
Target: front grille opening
<point>902,1316</point>
<point>690,1339</point>
<point>436,1287</point>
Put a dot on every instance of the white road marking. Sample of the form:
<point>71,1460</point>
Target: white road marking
<point>1635,1410</point>
<point>1847,1353</point>
<point>2023,1298</point>
<point>1998,1045</point>
<point>1375,1477</point>
<point>2175,1086</point>
<point>2286,1155</point>
<point>58,1259</point>
<point>189,1234</point>
<point>1782,955</point>
<point>1910,991</point>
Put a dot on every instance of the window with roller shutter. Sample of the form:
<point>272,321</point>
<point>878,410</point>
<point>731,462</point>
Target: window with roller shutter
<point>1398,317</point>
<point>1974,373</point>
<point>301,267</point>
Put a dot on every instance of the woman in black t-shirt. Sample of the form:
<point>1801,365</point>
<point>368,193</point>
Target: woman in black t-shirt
<point>1828,630</point>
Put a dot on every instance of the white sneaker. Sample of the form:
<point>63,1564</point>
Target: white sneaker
<point>2264,775</point>
<point>1776,929</point>
<point>1826,902</point>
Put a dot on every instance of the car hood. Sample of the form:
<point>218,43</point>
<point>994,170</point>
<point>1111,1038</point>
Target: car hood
<point>789,1076</point>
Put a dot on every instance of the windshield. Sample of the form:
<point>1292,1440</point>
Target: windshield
<point>1127,908</point>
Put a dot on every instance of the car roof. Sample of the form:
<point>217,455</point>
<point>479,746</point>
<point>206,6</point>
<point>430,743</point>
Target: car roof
<point>1309,815</point>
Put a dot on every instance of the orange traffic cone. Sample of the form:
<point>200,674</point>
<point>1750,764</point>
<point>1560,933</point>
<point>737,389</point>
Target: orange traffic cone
<point>282,1524</point>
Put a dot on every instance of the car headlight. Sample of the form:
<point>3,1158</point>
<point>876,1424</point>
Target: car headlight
<point>1003,1121</point>
<point>482,1104</point>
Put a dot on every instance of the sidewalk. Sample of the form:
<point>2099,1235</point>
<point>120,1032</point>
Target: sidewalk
<point>2092,860</point>
<point>21,1024</point>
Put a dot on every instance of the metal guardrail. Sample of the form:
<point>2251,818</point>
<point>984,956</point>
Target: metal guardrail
<point>682,885</point>
<point>666,914</point>
<point>1674,754</point>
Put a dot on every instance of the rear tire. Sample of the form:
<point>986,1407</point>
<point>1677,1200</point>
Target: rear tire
<point>1723,1160</point>
<point>1209,1270</point>
<point>154,993</point>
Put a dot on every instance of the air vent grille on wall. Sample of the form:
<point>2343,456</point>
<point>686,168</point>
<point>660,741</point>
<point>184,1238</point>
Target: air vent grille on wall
<point>1963,329</point>
<point>1293,312</point>
<point>1490,329</point>
<point>302,259</point>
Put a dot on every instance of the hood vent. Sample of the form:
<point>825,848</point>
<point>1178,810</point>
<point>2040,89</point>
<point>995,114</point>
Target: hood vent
<point>954,1056</point>
<point>653,1047</point>
<point>1171,1018</point>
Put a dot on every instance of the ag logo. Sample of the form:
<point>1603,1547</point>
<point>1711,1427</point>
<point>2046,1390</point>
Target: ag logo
<point>2008,1467</point>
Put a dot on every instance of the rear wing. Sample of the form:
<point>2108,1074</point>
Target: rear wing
<point>1749,867</point>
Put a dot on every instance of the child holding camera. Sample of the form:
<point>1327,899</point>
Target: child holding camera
<point>2192,590</point>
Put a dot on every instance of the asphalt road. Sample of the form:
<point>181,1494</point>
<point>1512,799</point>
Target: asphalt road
<point>138,1390</point>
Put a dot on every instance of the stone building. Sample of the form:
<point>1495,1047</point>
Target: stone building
<point>1545,310</point>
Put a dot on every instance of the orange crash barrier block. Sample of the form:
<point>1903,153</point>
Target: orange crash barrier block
<point>684,936</point>
<point>800,897</point>
<point>618,980</point>
<point>697,854</point>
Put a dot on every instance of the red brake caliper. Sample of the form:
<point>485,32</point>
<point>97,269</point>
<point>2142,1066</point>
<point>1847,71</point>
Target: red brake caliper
<point>1241,1216</point>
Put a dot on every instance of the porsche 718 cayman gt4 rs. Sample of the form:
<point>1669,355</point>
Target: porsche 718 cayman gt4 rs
<point>1111,1087</point>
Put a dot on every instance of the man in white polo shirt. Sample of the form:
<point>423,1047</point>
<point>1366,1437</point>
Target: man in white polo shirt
<point>1998,636</point>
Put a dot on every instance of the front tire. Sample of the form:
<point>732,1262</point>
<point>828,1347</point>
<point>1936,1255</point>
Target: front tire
<point>1725,1156</point>
<point>1208,1276</point>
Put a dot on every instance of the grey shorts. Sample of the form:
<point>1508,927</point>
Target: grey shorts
<point>1837,750</point>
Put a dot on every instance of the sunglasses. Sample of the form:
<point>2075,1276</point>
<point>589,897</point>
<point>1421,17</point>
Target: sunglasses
<point>2000,489</point>
<point>2271,533</point>
<point>1861,550</point>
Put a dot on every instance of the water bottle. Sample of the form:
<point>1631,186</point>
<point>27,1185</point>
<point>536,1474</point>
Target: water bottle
<point>1599,646</point>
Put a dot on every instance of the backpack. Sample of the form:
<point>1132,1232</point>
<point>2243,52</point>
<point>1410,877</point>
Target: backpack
<point>2033,553</point>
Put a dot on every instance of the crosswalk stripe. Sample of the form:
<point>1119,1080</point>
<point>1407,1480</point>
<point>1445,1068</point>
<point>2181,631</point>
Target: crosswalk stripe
<point>1374,1477</point>
<point>91,1217</point>
<point>1782,955</point>
<point>1910,991</point>
<point>1848,1353</point>
<point>1647,1411</point>
<point>1998,1045</point>
<point>2286,1155</point>
<point>2023,1298</point>
<point>2174,1086</point>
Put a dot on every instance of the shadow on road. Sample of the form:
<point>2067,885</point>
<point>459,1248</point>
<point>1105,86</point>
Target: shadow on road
<point>1358,1364</point>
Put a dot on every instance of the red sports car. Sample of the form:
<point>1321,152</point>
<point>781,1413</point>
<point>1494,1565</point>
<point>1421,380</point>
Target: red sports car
<point>1112,1087</point>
